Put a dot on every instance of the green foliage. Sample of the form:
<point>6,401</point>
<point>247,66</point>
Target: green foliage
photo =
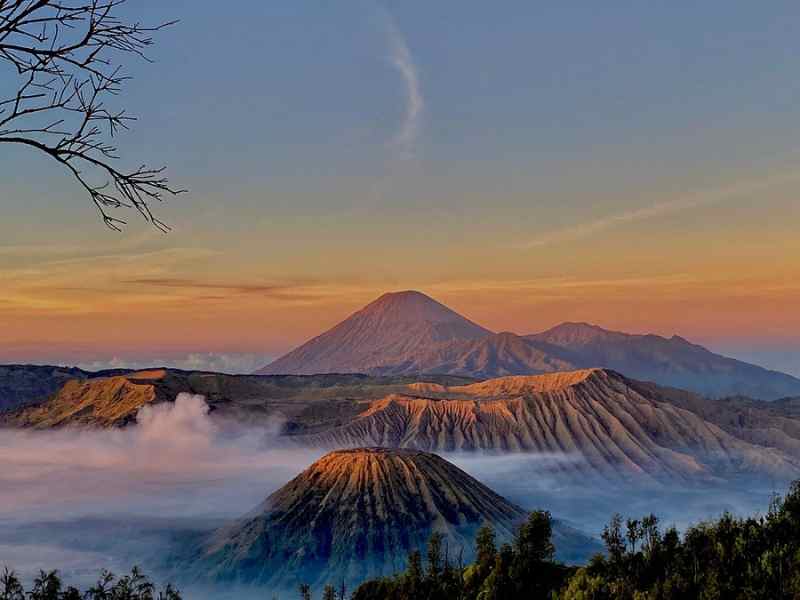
<point>756,558</point>
<point>524,569</point>
<point>731,558</point>
<point>48,586</point>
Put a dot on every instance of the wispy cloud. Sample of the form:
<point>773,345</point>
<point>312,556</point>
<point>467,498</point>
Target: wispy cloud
<point>281,291</point>
<point>659,209</point>
<point>402,60</point>
<point>233,363</point>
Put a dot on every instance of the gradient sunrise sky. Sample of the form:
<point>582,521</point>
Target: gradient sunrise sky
<point>630,164</point>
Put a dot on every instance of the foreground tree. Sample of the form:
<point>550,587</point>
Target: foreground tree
<point>48,586</point>
<point>755,558</point>
<point>67,58</point>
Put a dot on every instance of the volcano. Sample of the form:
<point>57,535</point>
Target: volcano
<point>393,330</point>
<point>356,514</point>
<point>410,334</point>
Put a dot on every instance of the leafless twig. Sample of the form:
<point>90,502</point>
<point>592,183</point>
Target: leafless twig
<point>66,54</point>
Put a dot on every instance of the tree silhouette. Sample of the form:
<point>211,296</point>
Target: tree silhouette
<point>66,55</point>
<point>305,591</point>
<point>10,586</point>
<point>49,586</point>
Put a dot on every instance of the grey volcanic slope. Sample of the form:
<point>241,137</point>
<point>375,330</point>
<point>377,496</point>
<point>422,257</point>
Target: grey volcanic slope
<point>355,514</point>
<point>671,362</point>
<point>392,330</point>
<point>598,421</point>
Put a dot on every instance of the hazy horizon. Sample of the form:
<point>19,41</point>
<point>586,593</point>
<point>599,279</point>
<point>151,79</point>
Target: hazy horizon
<point>784,359</point>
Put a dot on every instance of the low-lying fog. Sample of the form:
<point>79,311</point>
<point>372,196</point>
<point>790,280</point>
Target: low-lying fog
<point>83,501</point>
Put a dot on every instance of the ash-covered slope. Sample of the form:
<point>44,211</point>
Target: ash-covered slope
<point>355,514</point>
<point>596,420</point>
<point>671,362</point>
<point>393,330</point>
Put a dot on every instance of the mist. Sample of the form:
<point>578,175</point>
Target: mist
<point>83,500</point>
<point>588,501</point>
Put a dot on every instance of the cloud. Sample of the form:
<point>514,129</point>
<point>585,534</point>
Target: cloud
<point>233,363</point>
<point>80,501</point>
<point>401,59</point>
<point>279,291</point>
<point>659,209</point>
<point>177,462</point>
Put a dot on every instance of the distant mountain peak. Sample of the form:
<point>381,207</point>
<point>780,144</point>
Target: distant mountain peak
<point>410,305</point>
<point>409,333</point>
<point>577,332</point>
<point>393,329</point>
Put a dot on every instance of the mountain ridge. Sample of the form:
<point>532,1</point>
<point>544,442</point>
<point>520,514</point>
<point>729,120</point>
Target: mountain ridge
<point>397,335</point>
<point>600,422</point>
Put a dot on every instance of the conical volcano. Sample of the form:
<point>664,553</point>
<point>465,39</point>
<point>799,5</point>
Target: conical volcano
<point>392,330</point>
<point>355,514</point>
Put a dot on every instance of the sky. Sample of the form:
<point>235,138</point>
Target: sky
<point>633,166</point>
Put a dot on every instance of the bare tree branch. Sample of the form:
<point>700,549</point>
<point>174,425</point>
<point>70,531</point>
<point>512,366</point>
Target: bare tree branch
<point>65,54</point>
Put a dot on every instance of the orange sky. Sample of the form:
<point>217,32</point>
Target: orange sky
<point>151,295</point>
<point>718,264</point>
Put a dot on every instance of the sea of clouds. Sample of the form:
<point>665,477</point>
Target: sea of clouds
<point>82,500</point>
